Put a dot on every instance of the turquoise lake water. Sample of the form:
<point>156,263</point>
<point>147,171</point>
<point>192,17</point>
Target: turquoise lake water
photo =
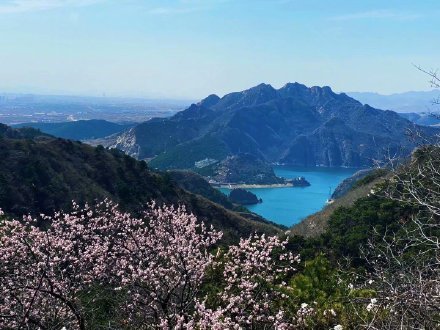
<point>288,206</point>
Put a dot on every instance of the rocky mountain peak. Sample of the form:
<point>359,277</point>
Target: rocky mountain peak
<point>295,125</point>
<point>259,94</point>
<point>209,101</point>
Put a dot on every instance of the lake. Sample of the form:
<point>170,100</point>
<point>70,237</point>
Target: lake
<point>288,206</point>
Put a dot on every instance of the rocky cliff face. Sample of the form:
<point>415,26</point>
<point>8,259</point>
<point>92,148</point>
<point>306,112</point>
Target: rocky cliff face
<point>126,142</point>
<point>294,125</point>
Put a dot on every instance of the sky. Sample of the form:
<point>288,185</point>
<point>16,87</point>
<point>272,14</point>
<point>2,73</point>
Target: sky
<point>188,49</point>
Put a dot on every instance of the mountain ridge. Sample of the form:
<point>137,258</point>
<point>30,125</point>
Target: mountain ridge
<point>295,125</point>
<point>406,102</point>
<point>79,129</point>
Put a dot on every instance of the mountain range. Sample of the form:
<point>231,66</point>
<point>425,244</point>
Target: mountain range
<point>421,101</point>
<point>423,118</point>
<point>293,125</point>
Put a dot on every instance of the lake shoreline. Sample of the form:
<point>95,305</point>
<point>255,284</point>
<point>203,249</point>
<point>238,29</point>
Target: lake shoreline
<point>289,206</point>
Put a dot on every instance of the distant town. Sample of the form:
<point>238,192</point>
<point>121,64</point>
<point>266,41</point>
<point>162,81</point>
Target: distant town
<point>24,108</point>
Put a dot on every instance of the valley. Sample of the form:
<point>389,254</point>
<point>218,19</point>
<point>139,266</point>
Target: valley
<point>214,165</point>
<point>288,206</point>
<point>234,141</point>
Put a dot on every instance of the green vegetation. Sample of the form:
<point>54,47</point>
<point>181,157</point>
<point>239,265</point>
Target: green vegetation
<point>371,177</point>
<point>322,285</point>
<point>245,168</point>
<point>350,228</point>
<point>42,174</point>
<point>39,173</point>
<point>316,224</point>
<point>243,197</point>
<point>196,184</point>
<point>185,155</point>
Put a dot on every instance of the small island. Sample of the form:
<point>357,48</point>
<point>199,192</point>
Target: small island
<point>243,197</point>
<point>299,182</point>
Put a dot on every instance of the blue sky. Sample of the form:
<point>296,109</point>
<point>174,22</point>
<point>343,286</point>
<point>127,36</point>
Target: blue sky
<point>192,48</point>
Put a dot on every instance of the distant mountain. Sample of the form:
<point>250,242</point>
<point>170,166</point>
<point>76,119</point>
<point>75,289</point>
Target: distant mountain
<point>294,125</point>
<point>79,130</point>
<point>423,118</point>
<point>43,174</point>
<point>400,102</point>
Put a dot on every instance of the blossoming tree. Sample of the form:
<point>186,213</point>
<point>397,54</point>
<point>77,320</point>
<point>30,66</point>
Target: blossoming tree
<point>157,262</point>
<point>159,259</point>
<point>254,273</point>
<point>43,271</point>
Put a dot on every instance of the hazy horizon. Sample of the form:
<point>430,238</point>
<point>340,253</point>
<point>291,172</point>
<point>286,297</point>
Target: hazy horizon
<point>188,49</point>
<point>171,99</point>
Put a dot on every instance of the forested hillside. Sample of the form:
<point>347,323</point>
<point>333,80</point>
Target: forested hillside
<point>375,264</point>
<point>42,174</point>
<point>80,129</point>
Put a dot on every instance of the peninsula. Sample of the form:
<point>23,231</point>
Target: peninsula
<point>296,182</point>
<point>246,171</point>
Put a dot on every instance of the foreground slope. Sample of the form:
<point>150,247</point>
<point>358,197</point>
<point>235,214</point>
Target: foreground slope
<point>295,125</point>
<point>360,187</point>
<point>41,174</point>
